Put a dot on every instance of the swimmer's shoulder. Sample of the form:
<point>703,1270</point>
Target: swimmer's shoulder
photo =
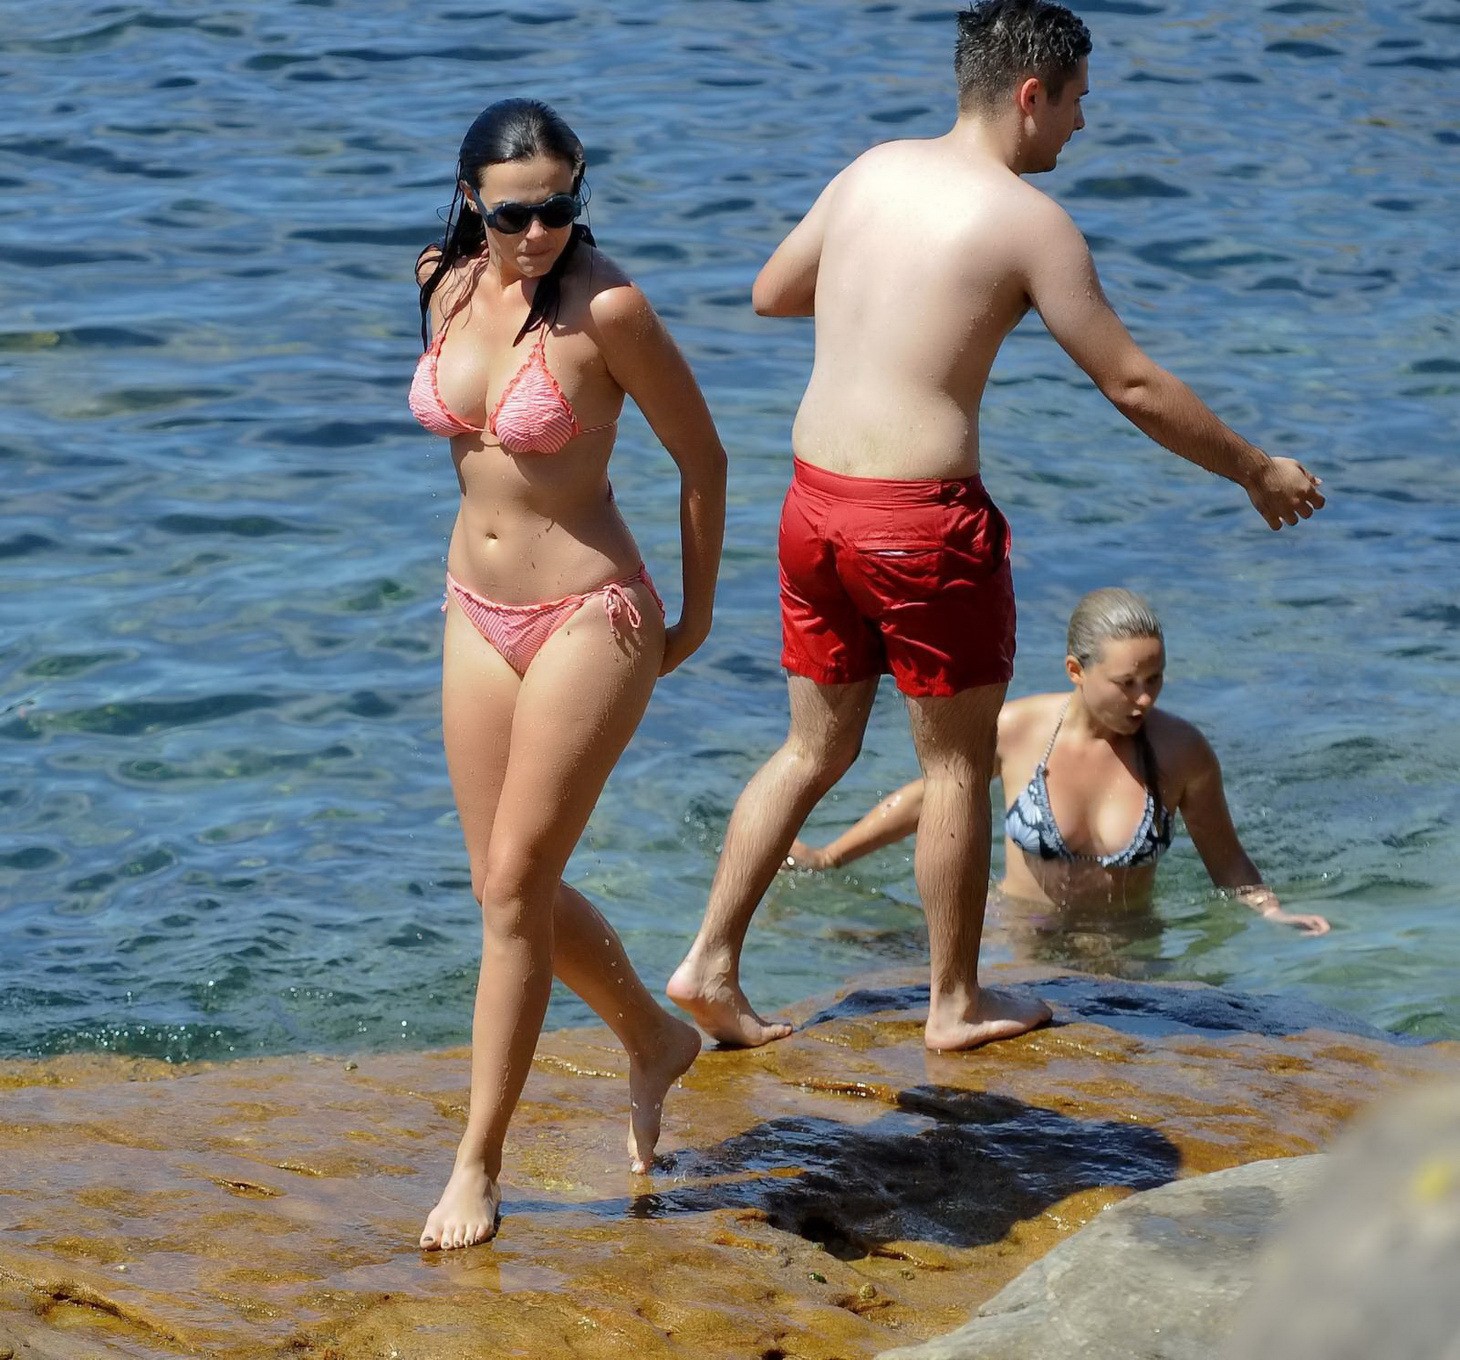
<point>1182,752</point>
<point>1028,722</point>
<point>591,268</point>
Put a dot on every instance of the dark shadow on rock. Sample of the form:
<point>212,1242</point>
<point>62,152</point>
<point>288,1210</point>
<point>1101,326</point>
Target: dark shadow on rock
<point>948,1166</point>
<point>1144,1009</point>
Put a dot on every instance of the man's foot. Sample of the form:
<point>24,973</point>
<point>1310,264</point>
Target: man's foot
<point>466,1212</point>
<point>650,1078</point>
<point>996,1015</point>
<point>720,1008</point>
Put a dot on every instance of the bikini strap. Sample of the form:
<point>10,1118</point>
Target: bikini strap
<point>617,600</point>
<point>1151,771</point>
<point>1044,760</point>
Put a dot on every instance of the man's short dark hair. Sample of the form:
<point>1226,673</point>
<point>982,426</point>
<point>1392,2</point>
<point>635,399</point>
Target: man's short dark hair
<point>1001,42</point>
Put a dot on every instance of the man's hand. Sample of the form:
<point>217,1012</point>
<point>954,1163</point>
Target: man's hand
<point>1284,491</point>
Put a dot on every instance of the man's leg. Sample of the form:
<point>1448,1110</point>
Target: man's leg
<point>955,739</point>
<point>827,722</point>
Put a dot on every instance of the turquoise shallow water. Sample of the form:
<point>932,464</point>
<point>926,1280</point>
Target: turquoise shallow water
<point>224,821</point>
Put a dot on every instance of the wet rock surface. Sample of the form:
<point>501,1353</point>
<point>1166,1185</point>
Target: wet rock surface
<point>838,1194</point>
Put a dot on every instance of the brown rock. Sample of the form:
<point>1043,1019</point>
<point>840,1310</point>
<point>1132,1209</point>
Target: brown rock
<point>835,1195</point>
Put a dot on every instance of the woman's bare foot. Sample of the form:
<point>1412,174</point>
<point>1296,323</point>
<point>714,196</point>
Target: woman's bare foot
<point>996,1015</point>
<point>650,1076</point>
<point>466,1212</point>
<point>720,1008</point>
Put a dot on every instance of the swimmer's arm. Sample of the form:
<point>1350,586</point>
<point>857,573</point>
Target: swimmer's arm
<point>1203,807</point>
<point>1064,288</point>
<point>786,284</point>
<point>893,818</point>
<point>647,364</point>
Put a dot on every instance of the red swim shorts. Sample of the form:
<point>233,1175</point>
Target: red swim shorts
<point>909,578</point>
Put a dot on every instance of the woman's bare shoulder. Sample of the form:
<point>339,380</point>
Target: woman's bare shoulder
<point>605,286</point>
<point>427,262</point>
<point>1029,718</point>
<point>1179,744</point>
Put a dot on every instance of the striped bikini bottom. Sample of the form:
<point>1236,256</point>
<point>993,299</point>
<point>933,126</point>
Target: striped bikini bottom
<point>517,631</point>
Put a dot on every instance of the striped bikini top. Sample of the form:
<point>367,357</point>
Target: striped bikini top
<point>533,415</point>
<point>1030,822</point>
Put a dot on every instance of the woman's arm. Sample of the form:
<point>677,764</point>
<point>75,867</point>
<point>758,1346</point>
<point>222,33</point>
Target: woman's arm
<point>1203,808</point>
<point>893,818</point>
<point>647,364</point>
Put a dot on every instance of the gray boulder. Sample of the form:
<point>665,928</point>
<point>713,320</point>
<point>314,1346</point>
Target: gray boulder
<point>1370,1266</point>
<point>1156,1277</point>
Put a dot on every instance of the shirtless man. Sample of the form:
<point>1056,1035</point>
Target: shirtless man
<point>916,261</point>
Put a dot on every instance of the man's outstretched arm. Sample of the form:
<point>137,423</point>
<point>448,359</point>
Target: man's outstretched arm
<point>1065,289</point>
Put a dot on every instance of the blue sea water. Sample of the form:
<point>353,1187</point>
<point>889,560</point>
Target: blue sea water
<point>225,826</point>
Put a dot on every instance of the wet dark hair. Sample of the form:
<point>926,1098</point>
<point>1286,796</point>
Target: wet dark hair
<point>509,130</point>
<point>1000,42</point>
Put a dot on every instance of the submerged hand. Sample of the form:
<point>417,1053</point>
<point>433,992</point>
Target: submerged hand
<point>1264,901</point>
<point>1309,925</point>
<point>1284,491</point>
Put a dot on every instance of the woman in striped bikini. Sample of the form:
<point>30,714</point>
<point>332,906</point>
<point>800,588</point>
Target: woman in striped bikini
<point>555,634</point>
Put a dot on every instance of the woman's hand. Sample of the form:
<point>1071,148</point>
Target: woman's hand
<point>1309,925</point>
<point>681,641</point>
<point>1264,901</point>
<point>803,856</point>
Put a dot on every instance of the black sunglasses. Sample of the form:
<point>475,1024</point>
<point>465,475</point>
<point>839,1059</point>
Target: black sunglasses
<point>511,218</point>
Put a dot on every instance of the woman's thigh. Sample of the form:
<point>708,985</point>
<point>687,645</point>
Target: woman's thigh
<point>577,707</point>
<point>478,695</point>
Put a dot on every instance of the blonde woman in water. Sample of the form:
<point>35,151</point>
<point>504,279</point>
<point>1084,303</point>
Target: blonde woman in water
<point>1093,780</point>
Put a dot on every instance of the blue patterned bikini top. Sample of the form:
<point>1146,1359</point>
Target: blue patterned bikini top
<point>1030,822</point>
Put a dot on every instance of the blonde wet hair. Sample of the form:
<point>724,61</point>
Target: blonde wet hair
<point>1110,614</point>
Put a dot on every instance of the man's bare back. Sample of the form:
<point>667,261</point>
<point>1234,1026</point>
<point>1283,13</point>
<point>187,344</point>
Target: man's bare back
<point>912,304</point>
